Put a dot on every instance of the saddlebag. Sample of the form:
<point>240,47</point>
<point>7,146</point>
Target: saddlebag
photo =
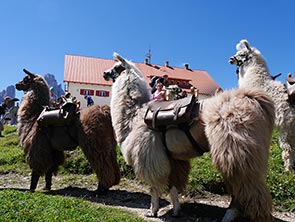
<point>57,117</point>
<point>160,114</point>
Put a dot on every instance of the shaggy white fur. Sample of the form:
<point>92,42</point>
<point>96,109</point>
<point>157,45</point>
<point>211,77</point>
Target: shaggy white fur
<point>228,127</point>
<point>253,72</point>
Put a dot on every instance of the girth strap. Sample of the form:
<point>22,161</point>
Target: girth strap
<point>186,129</point>
<point>201,150</point>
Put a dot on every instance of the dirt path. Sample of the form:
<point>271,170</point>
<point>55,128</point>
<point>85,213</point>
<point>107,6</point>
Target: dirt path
<point>133,196</point>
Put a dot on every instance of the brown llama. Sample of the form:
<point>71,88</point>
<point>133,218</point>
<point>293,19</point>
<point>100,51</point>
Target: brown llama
<point>44,146</point>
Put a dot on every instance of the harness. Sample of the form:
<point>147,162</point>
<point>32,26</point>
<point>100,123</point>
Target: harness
<point>239,63</point>
<point>116,71</point>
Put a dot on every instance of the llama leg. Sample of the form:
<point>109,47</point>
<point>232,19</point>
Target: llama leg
<point>232,212</point>
<point>293,159</point>
<point>101,189</point>
<point>286,150</point>
<point>34,180</point>
<point>154,203</point>
<point>175,201</point>
<point>48,180</point>
<point>109,177</point>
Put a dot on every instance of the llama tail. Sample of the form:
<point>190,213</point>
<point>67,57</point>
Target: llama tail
<point>239,125</point>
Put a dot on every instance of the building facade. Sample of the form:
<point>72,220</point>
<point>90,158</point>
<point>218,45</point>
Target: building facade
<point>84,76</point>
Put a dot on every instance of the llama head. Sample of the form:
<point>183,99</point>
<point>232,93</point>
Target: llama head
<point>121,65</point>
<point>114,72</point>
<point>30,81</point>
<point>244,53</point>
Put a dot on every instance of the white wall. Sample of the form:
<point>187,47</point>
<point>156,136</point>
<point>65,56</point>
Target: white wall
<point>202,97</point>
<point>74,89</point>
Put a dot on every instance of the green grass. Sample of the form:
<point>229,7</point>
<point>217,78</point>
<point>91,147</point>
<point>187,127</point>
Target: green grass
<point>281,183</point>
<point>11,155</point>
<point>203,177</point>
<point>22,206</point>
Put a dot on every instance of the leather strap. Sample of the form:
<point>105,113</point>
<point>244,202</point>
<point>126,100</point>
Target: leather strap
<point>201,150</point>
<point>155,117</point>
<point>176,111</point>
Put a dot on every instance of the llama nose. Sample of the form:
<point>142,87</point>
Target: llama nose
<point>232,60</point>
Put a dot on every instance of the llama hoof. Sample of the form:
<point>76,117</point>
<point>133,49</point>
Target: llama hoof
<point>151,214</point>
<point>230,215</point>
<point>101,191</point>
<point>46,188</point>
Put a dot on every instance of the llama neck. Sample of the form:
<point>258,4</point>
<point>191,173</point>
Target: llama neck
<point>30,108</point>
<point>126,104</point>
<point>254,74</point>
<point>123,118</point>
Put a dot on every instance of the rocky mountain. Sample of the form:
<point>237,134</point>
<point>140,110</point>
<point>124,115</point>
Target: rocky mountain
<point>58,89</point>
<point>50,78</point>
<point>9,91</point>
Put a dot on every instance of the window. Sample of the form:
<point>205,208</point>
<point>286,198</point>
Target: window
<point>89,92</point>
<point>102,93</point>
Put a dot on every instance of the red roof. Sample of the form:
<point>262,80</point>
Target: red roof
<point>89,70</point>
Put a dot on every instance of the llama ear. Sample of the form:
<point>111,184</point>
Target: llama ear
<point>117,57</point>
<point>246,43</point>
<point>29,73</point>
<point>243,44</point>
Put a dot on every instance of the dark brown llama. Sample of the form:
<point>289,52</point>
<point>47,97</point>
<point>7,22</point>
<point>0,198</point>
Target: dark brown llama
<point>44,146</point>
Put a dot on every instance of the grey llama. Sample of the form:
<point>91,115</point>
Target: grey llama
<point>253,72</point>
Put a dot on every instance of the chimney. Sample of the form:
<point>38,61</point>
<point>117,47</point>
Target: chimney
<point>167,63</point>
<point>186,66</point>
<point>146,61</point>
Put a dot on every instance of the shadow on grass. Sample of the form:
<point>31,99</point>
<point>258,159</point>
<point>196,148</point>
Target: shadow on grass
<point>189,211</point>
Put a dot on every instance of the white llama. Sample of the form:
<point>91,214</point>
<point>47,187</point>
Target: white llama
<point>253,72</point>
<point>227,127</point>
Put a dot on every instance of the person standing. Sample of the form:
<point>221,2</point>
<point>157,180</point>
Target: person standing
<point>89,100</point>
<point>156,79</point>
<point>53,98</point>
<point>3,108</point>
<point>158,95</point>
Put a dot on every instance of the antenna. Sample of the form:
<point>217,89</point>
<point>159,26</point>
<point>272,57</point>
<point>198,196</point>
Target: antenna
<point>149,55</point>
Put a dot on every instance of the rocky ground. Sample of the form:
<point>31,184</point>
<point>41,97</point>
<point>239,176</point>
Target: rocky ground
<point>133,196</point>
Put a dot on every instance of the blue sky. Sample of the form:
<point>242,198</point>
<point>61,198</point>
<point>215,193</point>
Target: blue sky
<point>36,34</point>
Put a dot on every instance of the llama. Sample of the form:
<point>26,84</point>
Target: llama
<point>173,92</point>
<point>44,146</point>
<point>228,126</point>
<point>253,72</point>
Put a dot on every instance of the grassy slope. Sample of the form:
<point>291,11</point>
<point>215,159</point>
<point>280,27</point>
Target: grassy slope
<point>203,177</point>
<point>22,206</point>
